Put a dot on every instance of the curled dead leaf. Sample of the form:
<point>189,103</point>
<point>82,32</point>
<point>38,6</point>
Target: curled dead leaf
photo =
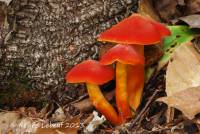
<point>187,101</point>
<point>192,20</point>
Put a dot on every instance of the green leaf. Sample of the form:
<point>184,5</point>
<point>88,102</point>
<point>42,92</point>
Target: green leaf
<point>180,34</point>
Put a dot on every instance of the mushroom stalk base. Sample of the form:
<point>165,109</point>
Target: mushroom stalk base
<point>121,94</point>
<point>101,104</point>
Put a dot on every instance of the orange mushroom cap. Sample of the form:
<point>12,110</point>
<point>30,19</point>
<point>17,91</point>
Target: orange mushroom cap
<point>90,71</point>
<point>162,29</point>
<point>135,29</point>
<point>123,53</point>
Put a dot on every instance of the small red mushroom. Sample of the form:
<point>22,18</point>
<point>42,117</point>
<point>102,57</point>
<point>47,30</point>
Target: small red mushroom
<point>124,55</point>
<point>135,30</point>
<point>93,74</point>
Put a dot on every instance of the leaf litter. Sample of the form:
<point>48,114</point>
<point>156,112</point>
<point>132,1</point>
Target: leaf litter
<point>182,80</point>
<point>27,120</point>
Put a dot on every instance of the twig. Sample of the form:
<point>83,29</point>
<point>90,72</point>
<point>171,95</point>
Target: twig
<point>80,98</point>
<point>134,121</point>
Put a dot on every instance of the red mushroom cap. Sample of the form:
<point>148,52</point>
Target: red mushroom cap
<point>135,29</point>
<point>123,53</point>
<point>162,29</point>
<point>90,71</point>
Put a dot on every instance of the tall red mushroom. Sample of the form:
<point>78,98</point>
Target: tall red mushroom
<point>93,74</point>
<point>124,55</point>
<point>135,30</point>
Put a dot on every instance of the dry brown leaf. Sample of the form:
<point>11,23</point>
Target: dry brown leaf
<point>67,127</point>
<point>193,6</point>
<point>182,81</point>
<point>167,9</point>
<point>2,13</point>
<point>27,120</point>
<point>145,8</point>
<point>7,118</point>
<point>13,122</point>
<point>192,20</point>
<point>6,1</point>
<point>183,72</point>
<point>187,101</point>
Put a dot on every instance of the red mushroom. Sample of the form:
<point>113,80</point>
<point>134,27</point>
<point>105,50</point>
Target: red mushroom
<point>93,74</point>
<point>124,55</point>
<point>135,30</point>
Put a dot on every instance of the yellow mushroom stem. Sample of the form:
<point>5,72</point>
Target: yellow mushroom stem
<point>121,92</point>
<point>101,104</point>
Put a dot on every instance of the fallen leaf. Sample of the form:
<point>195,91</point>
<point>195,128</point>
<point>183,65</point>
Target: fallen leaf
<point>67,127</point>
<point>192,20</point>
<point>6,1</point>
<point>46,111</point>
<point>193,6</point>
<point>27,120</point>
<point>3,10</point>
<point>146,9</point>
<point>187,101</point>
<point>183,71</point>
<point>180,35</point>
<point>59,115</point>
<point>13,122</point>
<point>182,80</point>
<point>167,9</point>
<point>7,118</point>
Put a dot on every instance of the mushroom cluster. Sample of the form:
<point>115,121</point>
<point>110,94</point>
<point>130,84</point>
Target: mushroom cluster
<point>130,36</point>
